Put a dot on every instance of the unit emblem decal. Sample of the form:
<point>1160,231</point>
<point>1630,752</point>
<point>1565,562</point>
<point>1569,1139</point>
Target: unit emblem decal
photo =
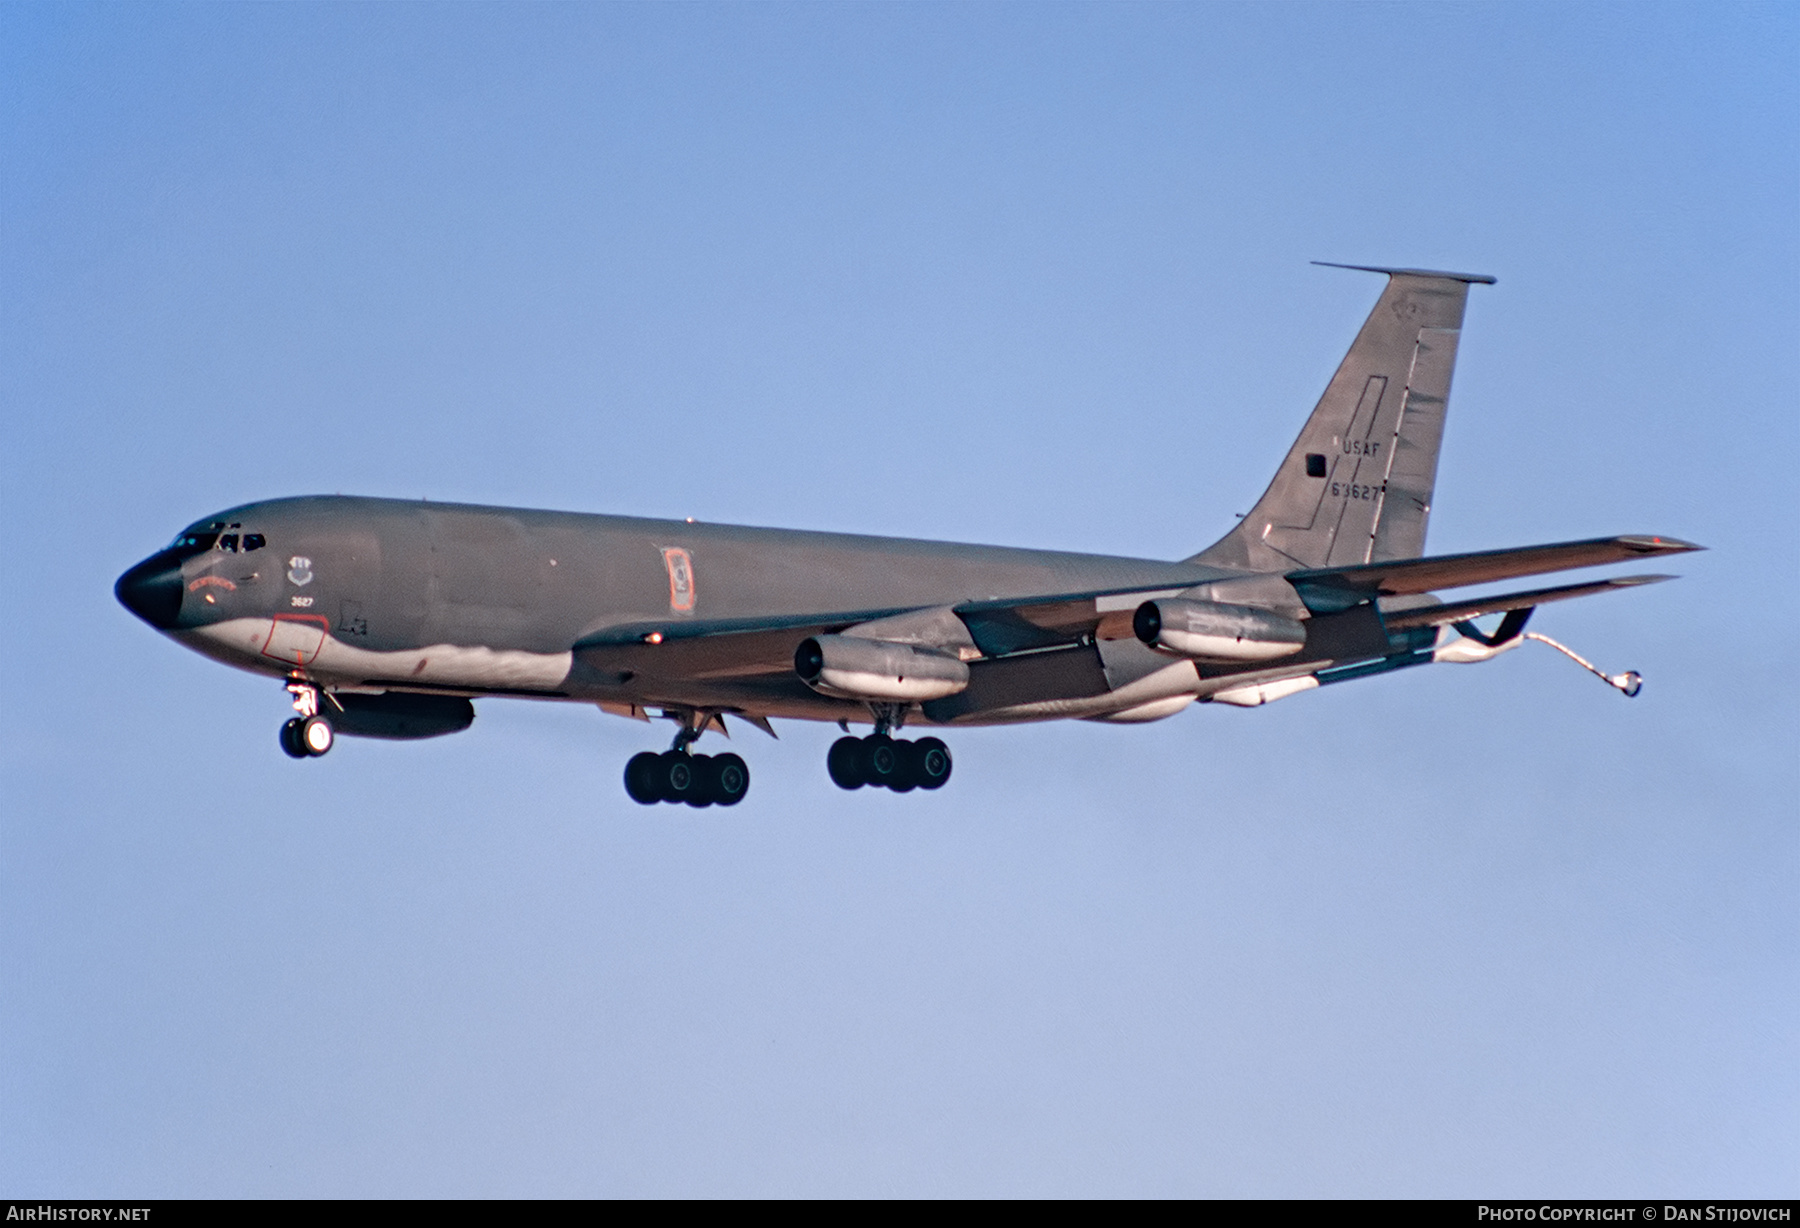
<point>681,578</point>
<point>300,570</point>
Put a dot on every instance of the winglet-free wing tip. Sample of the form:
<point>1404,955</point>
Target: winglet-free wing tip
<point>1645,543</point>
<point>1479,278</point>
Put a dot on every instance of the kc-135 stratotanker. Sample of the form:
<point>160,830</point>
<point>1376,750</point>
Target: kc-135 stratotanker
<point>385,618</point>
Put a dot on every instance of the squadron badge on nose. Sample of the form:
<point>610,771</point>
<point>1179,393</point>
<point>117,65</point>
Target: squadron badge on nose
<point>300,570</point>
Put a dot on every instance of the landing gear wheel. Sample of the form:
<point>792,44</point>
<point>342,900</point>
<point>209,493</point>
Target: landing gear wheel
<point>931,763</point>
<point>641,778</point>
<point>290,739</point>
<point>883,761</point>
<point>906,777</point>
<point>730,780</point>
<point>844,763</point>
<point>677,777</point>
<point>701,795</point>
<point>316,735</point>
<point>900,766</point>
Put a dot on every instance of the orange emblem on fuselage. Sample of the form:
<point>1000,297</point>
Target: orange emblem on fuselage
<point>681,578</point>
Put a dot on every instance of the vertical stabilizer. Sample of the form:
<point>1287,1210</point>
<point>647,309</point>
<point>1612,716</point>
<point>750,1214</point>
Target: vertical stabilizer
<point>1356,486</point>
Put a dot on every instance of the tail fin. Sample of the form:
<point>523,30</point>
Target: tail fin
<point>1356,486</point>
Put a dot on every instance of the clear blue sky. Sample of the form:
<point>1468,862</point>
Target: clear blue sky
<point>1035,275</point>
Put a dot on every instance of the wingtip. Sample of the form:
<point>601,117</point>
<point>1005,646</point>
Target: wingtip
<point>1647,543</point>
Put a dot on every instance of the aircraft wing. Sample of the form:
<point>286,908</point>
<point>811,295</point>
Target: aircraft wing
<point>704,649</point>
<point>699,649</point>
<point>1326,590</point>
<point>1461,611</point>
<point>1004,626</point>
<point>759,652</point>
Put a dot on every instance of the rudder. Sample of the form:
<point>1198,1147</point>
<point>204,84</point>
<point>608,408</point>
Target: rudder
<point>1356,486</point>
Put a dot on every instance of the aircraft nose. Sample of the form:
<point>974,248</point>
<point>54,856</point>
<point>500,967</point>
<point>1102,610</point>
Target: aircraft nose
<point>152,590</point>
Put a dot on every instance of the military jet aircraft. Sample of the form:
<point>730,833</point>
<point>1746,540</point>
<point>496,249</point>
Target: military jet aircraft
<point>385,618</point>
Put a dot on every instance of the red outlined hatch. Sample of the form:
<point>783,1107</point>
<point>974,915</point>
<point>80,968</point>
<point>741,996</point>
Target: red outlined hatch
<point>295,639</point>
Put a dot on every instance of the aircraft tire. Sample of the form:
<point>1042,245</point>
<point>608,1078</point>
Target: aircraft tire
<point>844,763</point>
<point>730,779</point>
<point>316,735</point>
<point>678,776</point>
<point>641,778</point>
<point>906,776</point>
<point>706,782</point>
<point>883,761</point>
<point>931,763</point>
<point>290,739</point>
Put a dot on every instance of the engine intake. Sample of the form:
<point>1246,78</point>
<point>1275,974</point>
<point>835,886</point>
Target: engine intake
<point>1216,631</point>
<point>846,667</point>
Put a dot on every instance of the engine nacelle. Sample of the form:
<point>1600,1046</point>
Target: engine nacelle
<point>846,667</point>
<point>1215,631</point>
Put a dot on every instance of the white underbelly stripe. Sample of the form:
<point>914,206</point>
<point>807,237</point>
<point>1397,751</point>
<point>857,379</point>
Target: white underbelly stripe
<point>252,642</point>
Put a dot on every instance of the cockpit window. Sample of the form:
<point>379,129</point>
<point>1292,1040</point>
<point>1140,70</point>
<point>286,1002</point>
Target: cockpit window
<point>188,544</point>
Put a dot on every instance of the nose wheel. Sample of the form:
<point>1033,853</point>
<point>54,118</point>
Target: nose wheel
<point>308,735</point>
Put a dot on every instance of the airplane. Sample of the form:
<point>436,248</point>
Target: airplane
<point>386,618</point>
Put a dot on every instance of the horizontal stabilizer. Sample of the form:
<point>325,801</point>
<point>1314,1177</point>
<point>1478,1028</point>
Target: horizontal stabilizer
<point>1326,590</point>
<point>1462,611</point>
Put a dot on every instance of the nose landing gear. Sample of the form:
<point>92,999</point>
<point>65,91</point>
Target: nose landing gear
<point>308,735</point>
<point>677,775</point>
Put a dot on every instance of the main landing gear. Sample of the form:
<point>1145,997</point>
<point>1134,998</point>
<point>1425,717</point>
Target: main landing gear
<point>677,775</point>
<point>901,765</point>
<point>308,735</point>
<point>888,763</point>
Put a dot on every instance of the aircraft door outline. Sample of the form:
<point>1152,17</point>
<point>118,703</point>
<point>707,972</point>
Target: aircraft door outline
<point>295,639</point>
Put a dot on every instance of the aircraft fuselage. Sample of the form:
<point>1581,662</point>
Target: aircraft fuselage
<point>384,594</point>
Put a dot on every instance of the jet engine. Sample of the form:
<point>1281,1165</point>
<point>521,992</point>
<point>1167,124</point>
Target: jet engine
<point>846,667</point>
<point>1216,631</point>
